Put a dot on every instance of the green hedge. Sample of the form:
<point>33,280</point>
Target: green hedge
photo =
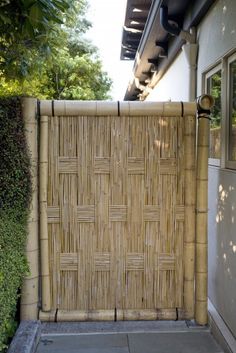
<point>15,194</point>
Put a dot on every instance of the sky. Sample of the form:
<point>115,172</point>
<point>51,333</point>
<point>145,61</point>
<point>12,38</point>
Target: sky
<point>107,17</point>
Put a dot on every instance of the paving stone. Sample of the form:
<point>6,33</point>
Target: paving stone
<point>84,343</point>
<point>168,338</point>
<point>185,342</point>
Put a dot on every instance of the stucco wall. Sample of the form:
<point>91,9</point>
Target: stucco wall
<point>217,37</point>
<point>222,243</point>
<point>174,84</point>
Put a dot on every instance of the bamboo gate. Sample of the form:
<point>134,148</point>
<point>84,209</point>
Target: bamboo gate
<point>120,229</point>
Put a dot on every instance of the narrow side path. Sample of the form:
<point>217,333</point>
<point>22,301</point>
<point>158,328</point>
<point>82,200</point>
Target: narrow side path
<point>126,337</point>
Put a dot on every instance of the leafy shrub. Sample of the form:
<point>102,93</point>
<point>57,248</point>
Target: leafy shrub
<point>15,193</point>
<point>15,186</point>
<point>12,268</point>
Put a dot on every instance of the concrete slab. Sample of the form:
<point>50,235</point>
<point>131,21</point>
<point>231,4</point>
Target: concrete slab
<point>185,342</point>
<point>177,342</point>
<point>89,350</point>
<point>84,344</point>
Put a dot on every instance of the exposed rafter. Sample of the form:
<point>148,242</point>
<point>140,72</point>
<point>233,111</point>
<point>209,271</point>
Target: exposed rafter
<point>155,47</point>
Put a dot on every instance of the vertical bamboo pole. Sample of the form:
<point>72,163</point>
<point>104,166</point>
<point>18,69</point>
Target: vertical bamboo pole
<point>29,293</point>
<point>205,103</point>
<point>189,217</point>
<point>43,175</point>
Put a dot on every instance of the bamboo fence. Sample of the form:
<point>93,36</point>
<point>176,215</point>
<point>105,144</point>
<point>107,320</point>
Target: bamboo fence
<point>130,149</point>
<point>91,235</point>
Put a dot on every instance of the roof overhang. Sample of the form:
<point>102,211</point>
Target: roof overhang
<point>135,19</point>
<point>157,48</point>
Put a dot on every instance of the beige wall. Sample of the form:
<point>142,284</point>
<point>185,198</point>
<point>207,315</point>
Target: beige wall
<point>174,84</point>
<point>216,36</point>
<point>222,243</point>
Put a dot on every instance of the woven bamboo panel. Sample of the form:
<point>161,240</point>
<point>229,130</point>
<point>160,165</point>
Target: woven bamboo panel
<point>116,213</point>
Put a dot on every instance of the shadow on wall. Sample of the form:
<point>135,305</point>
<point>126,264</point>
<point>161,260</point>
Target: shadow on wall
<point>222,243</point>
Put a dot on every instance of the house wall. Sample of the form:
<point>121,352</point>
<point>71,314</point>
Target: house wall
<point>174,84</point>
<point>217,37</point>
<point>222,243</point>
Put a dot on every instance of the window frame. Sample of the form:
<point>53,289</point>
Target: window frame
<point>228,163</point>
<point>210,72</point>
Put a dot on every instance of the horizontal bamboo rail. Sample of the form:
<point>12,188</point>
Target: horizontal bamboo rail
<point>29,292</point>
<point>101,108</point>
<point>112,315</point>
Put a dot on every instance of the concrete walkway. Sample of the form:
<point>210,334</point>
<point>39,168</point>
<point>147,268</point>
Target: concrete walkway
<point>126,337</point>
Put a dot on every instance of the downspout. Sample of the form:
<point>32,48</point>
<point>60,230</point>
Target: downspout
<point>190,49</point>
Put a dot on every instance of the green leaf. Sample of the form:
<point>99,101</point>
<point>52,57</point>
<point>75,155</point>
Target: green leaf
<point>28,29</point>
<point>35,15</point>
<point>5,18</point>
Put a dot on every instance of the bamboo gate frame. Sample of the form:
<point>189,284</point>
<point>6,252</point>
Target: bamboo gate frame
<point>196,207</point>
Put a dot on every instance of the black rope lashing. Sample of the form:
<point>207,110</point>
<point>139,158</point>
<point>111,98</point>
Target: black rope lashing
<point>177,314</point>
<point>55,319</point>
<point>182,109</point>
<point>204,113</point>
<point>118,107</point>
<point>38,109</point>
<point>52,107</point>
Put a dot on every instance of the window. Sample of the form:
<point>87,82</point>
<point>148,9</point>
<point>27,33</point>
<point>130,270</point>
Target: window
<point>213,87</point>
<point>220,82</point>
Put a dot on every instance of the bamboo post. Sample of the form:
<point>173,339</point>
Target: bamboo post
<point>189,217</point>
<point>205,103</point>
<point>29,292</point>
<point>43,175</point>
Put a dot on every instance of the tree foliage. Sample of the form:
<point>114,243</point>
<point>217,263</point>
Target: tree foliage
<point>43,51</point>
<point>214,88</point>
